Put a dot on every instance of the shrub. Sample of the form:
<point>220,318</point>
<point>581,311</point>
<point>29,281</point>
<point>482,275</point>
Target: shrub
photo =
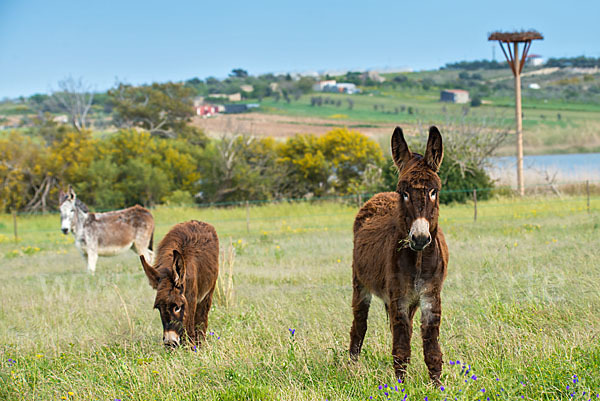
<point>179,198</point>
<point>458,183</point>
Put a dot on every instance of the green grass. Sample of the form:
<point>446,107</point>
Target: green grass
<point>520,304</point>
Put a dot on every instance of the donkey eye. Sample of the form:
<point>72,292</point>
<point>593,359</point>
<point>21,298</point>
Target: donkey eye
<point>433,193</point>
<point>405,195</point>
<point>177,309</point>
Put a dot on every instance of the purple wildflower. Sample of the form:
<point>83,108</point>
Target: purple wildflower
<point>442,388</point>
<point>292,332</point>
<point>474,377</point>
<point>11,361</point>
<point>380,387</point>
<point>483,390</point>
<point>451,362</point>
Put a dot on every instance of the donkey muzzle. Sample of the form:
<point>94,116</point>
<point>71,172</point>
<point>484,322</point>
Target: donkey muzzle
<point>171,339</point>
<point>419,235</point>
<point>65,231</point>
<point>418,243</point>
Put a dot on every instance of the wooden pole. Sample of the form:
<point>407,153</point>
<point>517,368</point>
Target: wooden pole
<point>519,120</point>
<point>587,190</point>
<point>14,215</point>
<point>474,205</point>
<point>248,217</point>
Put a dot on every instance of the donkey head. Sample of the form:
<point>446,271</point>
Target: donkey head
<point>419,187</point>
<point>67,203</point>
<point>169,283</point>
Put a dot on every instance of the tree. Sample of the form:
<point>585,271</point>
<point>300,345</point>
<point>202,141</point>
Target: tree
<point>21,169</point>
<point>162,109</point>
<point>75,99</point>
<point>238,73</point>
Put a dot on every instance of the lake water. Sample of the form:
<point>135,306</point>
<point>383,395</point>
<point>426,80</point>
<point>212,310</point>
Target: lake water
<point>569,167</point>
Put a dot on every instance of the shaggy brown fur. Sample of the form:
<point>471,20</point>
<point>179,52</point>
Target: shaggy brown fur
<point>184,277</point>
<point>396,259</point>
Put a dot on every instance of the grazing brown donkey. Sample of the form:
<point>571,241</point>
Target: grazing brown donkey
<point>184,277</point>
<point>401,256</point>
<point>106,234</point>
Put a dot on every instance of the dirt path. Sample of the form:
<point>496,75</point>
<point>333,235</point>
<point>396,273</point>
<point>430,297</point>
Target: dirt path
<point>259,124</point>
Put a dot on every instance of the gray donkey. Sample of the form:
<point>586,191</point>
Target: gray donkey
<point>106,234</point>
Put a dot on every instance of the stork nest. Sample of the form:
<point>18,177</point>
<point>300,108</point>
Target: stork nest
<point>523,36</point>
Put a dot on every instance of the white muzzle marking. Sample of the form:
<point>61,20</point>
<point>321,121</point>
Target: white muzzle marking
<point>419,234</point>
<point>170,338</point>
<point>420,227</point>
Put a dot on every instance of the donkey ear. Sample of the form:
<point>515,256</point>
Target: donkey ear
<point>400,152</point>
<point>435,149</point>
<point>178,268</point>
<point>151,272</point>
<point>71,193</point>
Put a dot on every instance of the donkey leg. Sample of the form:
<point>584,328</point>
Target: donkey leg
<point>401,326</point>
<point>361,301</point>
<point>141,248</point>
<point>92,258</point>
<point>431,314</point>
<point>202,318</point>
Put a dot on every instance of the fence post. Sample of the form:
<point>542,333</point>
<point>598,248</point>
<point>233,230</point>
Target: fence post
<point>474,205</point>
<point>587,190</point>
<point>14,216</point>
<point>248,217</point>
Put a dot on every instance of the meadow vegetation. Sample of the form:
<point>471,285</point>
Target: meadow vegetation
<point>519,310</point>
<point>133,166</point>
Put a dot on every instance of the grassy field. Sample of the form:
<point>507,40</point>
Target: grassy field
<point>549,127</point>
<point>520,311</point>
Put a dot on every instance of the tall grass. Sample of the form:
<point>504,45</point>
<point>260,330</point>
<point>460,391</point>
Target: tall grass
<point>520,306</point>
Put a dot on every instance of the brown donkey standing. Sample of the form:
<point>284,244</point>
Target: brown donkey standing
<point>401,256</point>
<point>184,277</point>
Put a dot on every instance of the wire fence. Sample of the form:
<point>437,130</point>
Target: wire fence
<point>300,215</point>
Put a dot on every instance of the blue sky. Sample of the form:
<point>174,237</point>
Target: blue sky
<point>42,42</point>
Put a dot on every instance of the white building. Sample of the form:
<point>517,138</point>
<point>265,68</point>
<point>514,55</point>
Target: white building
<point>535,60</point>
<point>454,96</point>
